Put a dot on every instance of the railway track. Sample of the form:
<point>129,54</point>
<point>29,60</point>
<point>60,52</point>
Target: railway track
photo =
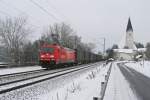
<point>20,73</point>
<point>28,75</point>
<point>21,76</point>
<point>20,83</point>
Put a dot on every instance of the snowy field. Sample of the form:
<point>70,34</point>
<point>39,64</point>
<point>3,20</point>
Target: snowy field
<point>17,70</point>
<point>142,67</point>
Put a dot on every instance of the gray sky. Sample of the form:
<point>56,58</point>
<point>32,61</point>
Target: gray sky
<point>91,19</point>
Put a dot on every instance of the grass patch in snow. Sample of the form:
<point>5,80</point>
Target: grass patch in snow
<point>74,87</point>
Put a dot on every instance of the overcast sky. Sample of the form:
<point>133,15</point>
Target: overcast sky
<point>91,19</point>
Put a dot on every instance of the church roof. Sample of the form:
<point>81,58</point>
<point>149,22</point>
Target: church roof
<point>129,26</point>
<point>124,50</point>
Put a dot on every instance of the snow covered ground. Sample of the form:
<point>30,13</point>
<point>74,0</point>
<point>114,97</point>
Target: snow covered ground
<point>142,67</point>
<point>84,87</point>
<point>17,70</point>
<point>80,85</point>
<point>118,87</point>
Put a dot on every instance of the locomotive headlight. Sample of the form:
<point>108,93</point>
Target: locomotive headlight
<point>51,56</point>
<point>42,56</point>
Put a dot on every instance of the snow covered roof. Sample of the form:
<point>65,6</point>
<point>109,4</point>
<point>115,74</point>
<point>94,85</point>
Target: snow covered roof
<point>124,50</point>
<point>141,49</point>
<point>138,56</point>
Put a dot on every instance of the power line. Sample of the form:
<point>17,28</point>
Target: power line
<point>11,5</point>
<point>52,6</point>
<point>4,13</point>
<point>17,9</point>
<point>58,11</point>
<point>35,3</point>
<point>43,9</point>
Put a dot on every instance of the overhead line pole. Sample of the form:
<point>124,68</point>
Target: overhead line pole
<point>104,44</point>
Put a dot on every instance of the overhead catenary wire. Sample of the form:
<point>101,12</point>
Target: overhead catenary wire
<point>53,7</point>
<point>4,13</point>
<point>9,16</point>
<point>46,11</point>
<point>58,11</point>
<point>5,3</point>
<point>17,9</point>
<point>36,4</point>
<point>43,9</point>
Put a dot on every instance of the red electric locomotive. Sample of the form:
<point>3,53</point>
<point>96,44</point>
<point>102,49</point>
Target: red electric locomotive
<point>54,54</point>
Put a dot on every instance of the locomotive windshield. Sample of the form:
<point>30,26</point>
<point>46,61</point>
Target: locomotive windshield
<point>49,50</point>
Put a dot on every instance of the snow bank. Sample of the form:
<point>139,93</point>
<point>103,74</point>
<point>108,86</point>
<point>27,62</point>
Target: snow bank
<point>141,66</point>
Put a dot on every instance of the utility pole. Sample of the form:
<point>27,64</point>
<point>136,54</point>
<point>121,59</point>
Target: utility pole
<point>104,43</point>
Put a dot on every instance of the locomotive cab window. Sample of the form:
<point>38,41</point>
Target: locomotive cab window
<point>50,50</point>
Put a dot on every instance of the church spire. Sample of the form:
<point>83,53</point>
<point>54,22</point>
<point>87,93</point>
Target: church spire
<point>129,26</point>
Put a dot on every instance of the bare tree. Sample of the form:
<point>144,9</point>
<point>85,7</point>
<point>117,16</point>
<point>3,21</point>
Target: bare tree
<point>148,50</point>
<point>13,33</point>
<point>66,37</point>
<point>60,33</point>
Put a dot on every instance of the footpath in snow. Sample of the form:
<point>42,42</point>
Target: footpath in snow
<point>118,87</point>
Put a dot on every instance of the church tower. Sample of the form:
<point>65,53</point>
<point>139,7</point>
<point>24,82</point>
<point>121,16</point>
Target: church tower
<point>129,41</point>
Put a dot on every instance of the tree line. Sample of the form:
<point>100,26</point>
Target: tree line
<point>17,49</point>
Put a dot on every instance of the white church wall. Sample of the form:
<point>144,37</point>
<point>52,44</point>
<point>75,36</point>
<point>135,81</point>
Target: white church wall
<point>124,56</point>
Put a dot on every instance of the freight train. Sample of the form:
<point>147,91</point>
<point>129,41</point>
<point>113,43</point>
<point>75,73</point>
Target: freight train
<point>54,55</point>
